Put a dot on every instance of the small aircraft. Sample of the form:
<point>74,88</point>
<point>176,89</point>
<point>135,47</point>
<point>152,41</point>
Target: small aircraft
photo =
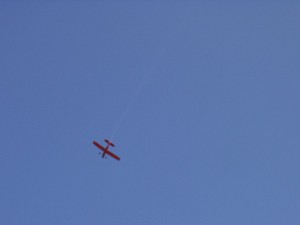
<point>105,150</point>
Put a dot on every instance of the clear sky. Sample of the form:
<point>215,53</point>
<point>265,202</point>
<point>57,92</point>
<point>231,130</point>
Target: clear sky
<point>202,101</point>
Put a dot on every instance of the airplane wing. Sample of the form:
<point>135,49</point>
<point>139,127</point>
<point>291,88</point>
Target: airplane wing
<point>99,146</point>
<point>112,155</point>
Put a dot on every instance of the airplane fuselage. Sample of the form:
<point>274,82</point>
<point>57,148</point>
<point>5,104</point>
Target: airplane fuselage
<point>104,152</point>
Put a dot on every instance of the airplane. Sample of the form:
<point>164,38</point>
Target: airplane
<point>105,150</point>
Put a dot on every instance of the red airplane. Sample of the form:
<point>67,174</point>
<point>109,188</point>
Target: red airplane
<point>105,150</point>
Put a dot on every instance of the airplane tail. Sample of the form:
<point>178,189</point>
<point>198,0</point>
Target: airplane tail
<point>109,142</point>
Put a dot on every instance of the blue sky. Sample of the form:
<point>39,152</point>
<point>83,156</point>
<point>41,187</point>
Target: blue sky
<point>201,99</point>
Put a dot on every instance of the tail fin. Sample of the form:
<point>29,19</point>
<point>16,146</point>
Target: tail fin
<point>109,142</point>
